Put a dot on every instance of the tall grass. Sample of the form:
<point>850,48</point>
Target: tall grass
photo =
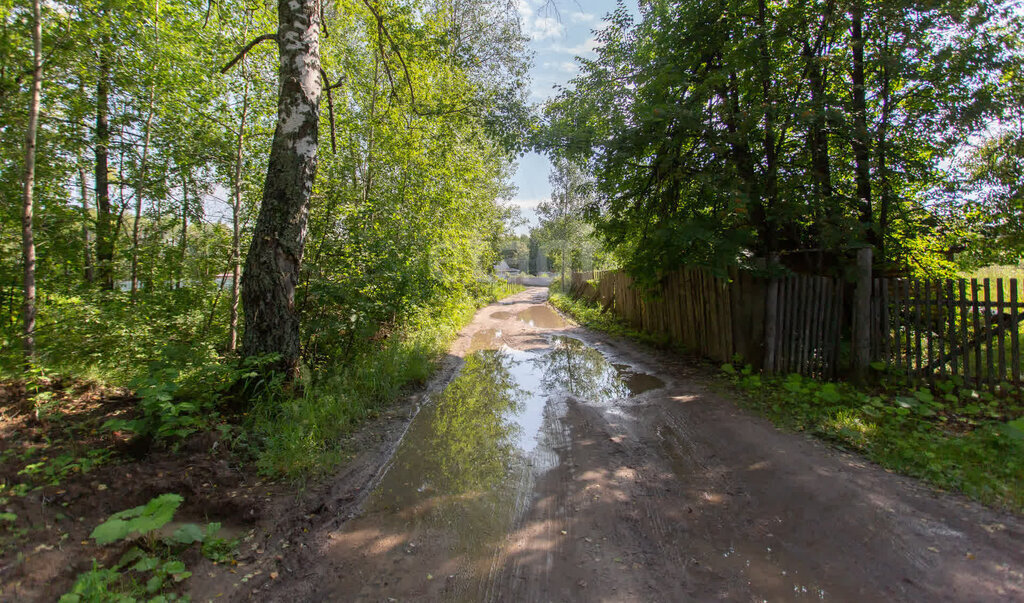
<point>302,436</point>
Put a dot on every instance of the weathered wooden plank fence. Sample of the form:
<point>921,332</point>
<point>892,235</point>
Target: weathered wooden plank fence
<point>941,328</point>
<point>925,329</point>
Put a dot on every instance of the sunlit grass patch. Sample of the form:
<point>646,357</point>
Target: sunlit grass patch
<point>954,437</point>
<point>302,436</point>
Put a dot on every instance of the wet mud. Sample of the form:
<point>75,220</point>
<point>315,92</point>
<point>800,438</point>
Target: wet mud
<point>558,464</point>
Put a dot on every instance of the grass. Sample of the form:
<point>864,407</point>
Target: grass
<point>997,272</point>
<point>503,289</point>
<point>591,315</point>
<point>952,436</point>
<point>299,437</point>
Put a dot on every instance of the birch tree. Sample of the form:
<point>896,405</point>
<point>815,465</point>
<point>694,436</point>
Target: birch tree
<point>275,255</point>
<point>28,246</point>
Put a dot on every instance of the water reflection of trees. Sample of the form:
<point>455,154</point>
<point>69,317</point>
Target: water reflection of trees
<point>473,432</point>
<point>459,465</point>
<point>464,442</point>
<point>581,370</point>
<point>459,459</point>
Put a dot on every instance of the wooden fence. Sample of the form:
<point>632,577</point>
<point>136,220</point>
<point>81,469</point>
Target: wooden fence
<point>808,326</point>
<point>925,329</point>
<point>942,328</point>
<point>712,316</point>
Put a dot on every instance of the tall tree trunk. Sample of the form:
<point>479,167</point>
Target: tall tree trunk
<point>104,220</point>
<point>86,218</point>
<point>28,246</point>
<point>885,185</point>
<point>275,256</point>
<point>565,247</point>
<point>183,241</point>
<point>861,140</point>
<point>771,174</point>
<point>236,212</point>
<point>743,159</point>
<point>821,170</point>
<point>140,191</point>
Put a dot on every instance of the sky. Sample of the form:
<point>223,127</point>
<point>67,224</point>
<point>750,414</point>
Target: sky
<point>559,31</point>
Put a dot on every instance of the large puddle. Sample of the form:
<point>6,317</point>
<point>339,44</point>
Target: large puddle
<point>470,458</point>
<point>542,317</point>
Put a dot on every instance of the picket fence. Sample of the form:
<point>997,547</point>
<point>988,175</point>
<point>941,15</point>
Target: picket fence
<point>925,329</point>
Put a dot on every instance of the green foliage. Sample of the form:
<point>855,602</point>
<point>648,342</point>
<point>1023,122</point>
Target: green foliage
<point>216,549</point>
<point>562,228</point>
<point>995,209</point>
<point>403,228</point>
<point>98,584</point>
<point>54,471</point>
<point>722,132</point>
<point>146,570</point>
<point>138,521</point>
<point>300,436</point>
<point>950,435</point>
<point>594,317</point>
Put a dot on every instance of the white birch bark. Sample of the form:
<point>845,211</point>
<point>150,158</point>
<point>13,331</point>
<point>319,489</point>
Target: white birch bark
<point>28,247</point>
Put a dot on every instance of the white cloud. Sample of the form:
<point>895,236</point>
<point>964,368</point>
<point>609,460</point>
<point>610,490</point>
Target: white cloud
<point>582,17</point>
<point>539,26</point>
<point>562,66</point>
<point>586,49</point>
<point>527,203</point>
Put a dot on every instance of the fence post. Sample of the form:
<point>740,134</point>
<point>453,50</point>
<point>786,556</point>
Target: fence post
<point>861,357</point>
<point>771,314</point>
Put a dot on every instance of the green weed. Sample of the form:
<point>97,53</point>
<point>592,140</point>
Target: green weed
<point>301,436</point>
<point>955,437</point>
<point>146,570</point>
<point>53,471</point>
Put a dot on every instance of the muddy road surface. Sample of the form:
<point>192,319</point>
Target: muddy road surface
<point>558,464</point>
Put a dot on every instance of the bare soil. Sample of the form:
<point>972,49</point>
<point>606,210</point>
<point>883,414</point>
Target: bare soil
<point>622,473</point>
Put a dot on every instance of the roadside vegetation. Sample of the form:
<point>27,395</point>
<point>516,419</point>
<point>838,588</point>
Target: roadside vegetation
<point>595,317</point>
<point>954,437</point>
<point>210,274</point>
<point>145,348</point>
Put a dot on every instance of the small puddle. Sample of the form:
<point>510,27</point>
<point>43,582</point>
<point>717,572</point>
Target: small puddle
<point>638,383</point>
<point>542,317</point>
<point>584,372</point>
<point>502,315</point>
<point>485,339</point>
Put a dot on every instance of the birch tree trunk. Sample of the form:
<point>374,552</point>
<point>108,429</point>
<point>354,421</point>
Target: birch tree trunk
<point>275,255</point>
<point>236,211</point>
<point>140,188</point>
<point>86,218</point>
<point>104,221</point>
<point>28,246</point>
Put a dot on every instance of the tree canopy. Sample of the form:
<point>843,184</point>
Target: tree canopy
<point>726,131</point>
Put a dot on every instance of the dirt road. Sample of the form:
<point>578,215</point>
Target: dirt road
<point>563,465</point>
